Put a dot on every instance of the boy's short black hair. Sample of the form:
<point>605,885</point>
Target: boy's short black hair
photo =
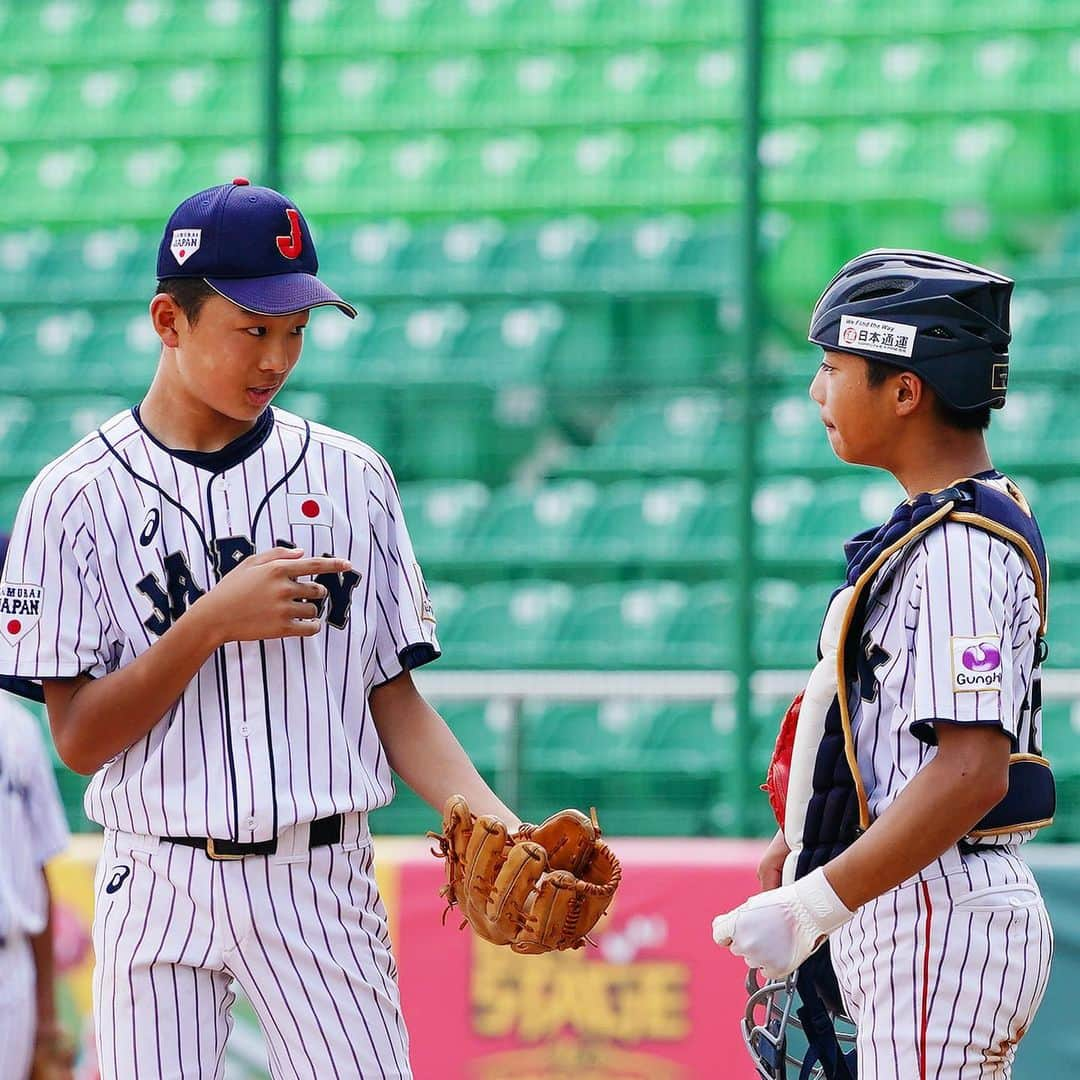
<point>877,371</point>
<point>189,294</point>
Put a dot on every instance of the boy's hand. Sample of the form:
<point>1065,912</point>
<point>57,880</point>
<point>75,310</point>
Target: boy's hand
<point>264,598</point>
<point>771,868</point>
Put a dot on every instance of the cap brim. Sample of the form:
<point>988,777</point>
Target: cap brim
<point>279,294</point>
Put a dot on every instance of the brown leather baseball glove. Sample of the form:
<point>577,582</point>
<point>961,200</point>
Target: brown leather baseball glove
<point>539,889</point>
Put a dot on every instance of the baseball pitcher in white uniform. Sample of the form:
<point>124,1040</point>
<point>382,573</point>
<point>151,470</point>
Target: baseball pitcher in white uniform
<point>909,773</point>
<point>221,605</point>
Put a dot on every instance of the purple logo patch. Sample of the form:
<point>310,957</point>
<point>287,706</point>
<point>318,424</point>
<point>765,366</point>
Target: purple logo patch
<point>981,658</point>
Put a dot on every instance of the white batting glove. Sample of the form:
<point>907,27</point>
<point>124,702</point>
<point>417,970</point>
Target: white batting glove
<point>777,930</point>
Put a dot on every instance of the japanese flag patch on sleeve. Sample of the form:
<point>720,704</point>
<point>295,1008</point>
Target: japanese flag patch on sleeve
<point>20,610</point>
<point>976,663</point>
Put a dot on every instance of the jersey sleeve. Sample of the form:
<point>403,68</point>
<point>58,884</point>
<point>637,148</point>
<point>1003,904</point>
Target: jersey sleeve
<point>46,811</point>
<point>52,608</point>
<point>405,634</point>
<point>977,622</point>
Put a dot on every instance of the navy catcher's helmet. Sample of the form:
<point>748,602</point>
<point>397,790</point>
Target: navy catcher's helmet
<point>945,320</point>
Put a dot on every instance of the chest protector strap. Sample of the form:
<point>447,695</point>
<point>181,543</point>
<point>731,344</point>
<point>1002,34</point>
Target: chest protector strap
<point>827,807</point>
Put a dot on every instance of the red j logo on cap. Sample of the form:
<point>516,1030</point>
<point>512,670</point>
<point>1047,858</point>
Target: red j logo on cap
<point>290,246</point>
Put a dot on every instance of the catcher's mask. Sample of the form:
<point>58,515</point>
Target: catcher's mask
<point>789,1022</point>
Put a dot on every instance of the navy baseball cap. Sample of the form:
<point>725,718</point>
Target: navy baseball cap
<point>252,245</point>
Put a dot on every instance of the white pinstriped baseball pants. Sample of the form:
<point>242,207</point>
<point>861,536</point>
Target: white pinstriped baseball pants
<point>303,932</point>
<point>18,1017</point>
<point>943,978</point>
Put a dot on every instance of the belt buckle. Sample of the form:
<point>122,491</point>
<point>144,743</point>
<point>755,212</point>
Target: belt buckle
<point>216,855</point>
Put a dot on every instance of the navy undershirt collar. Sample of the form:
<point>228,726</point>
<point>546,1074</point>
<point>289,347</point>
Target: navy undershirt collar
<point>217,461</point>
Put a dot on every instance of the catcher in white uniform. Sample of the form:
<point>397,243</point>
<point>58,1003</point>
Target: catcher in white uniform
<point>909,773</point>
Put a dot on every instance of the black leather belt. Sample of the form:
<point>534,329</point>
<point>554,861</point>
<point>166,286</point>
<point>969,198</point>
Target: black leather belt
<point>324,831</point>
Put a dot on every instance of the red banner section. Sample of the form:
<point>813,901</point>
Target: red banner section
<point>654,1000</point>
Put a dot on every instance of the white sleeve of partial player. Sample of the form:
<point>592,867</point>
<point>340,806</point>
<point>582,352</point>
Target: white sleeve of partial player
<point>405,622</point>
<point>47,827</point>
<point>53,612</point>
<point>977,622</point>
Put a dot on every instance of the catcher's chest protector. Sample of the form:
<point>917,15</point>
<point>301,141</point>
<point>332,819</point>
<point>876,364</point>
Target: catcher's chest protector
<point>826,806</point>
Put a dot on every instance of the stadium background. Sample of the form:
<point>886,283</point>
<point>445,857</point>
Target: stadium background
<point>581,333</point>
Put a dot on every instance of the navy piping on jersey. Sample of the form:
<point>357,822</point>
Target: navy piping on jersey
<point>217,461</point>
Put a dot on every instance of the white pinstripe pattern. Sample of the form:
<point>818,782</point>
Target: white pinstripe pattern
<point>77,535</point>
<point>944,974</point>
<point>987,958</point>
<point>305,938</point>
<point>267,737</point>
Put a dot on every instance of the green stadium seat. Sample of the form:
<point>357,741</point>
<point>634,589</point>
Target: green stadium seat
<point>411,341</point>
<point>23,95</point>
<point>432,91</point>
<point>332,346</point>
<point>799,521</point>
<point>582,169</point>
<point>683,166</point>
<point>701,82</point>
<point>89,103</point>
<point>483,728</point>
<point>619,625</point>
<point>711,538</point>
<point>46,182</point>
<point>1064,624</point>
<point>704,635</point>
<point>363,258</point>
<point>11,490</point>
<point>104,264</point>
<point>407,814</point>
<point>792,435</point>
<point>1061,734</point>
<point>457,24</point>
<point>222,97</point>
<point>337,93</point>
<point>452,258</point>
<point>144,182</point>
<point>1058,511</point>
<point>441,514</point>
<point>463,430</point>
<point>612,86</point>
<point>353,28</point>
<point>121,352</point>
<point>991,72</point>
<point>583,354</point>
<point>489,172</point>
<point>23,251</point>
<point>48,32</point>
<point>506,625</point>
<point>788,154</point>
<point>523,89</point>
<point>788,621</point>
<point>908,73</point>
<point>53,426</point>
<point>1023,436</point>
<point>804,78</point>
<point>638,253</point>
<point>662,434</point>
<point>533,528</point>
<point>641,522</point>
<point>671,342</point>
<point>43,347</point>
<point>546,254</point>
<point>507,341</point>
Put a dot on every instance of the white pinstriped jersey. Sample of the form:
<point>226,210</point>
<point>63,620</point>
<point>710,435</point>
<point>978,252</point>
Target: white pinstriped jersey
<point>949,637</point>
<point>115,539</point>
<point>31,822</point>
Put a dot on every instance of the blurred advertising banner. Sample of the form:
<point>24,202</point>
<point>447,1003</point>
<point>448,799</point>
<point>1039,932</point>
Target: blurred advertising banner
<point>655,1000</point>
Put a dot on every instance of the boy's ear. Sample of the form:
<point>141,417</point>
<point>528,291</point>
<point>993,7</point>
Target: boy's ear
<point>910,391</point>
<point>164,313</point>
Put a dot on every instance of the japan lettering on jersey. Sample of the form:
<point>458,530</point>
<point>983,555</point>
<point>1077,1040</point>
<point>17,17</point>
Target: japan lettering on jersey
<point>116,539</point>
